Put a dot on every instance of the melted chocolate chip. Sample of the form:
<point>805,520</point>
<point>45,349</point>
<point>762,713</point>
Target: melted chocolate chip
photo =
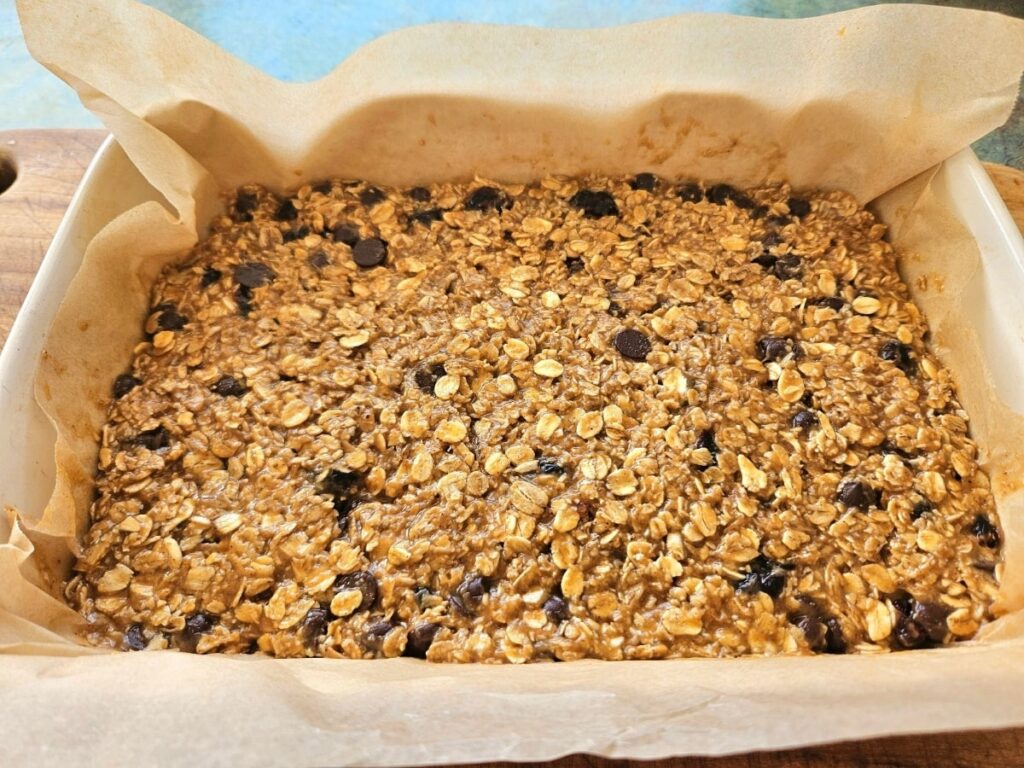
<point>427,376</point>
<point>986,533</point>
<point>243,297</point>
<point>324,187</point>
<point>720,194</point>
<point>468,594</point>
<point>343,488</point>
<point>549,466</point>
<point>375,632</point>
<point>313,624</point>
<point>557,609</point>
<point>645,181</point>
<point>295,234</point>
<point>153,439</point>
<point>804,420</point>
<point>574,265</point>
<point>595,204</point>
<point>690,193</point>
<point>772,348</point>
<point>345,233</point>
<point>370,252</point>
<point>245,204</point>
<point>770,240</point>
<point>632,344</point>
<point>898,353</point>
<point>787,268</point>
<point>286,211</point>
<point>229,386</point>
<point>253,274</point>
<point>363,581</point>
<point>210,276</point>
<point>420,638</point>
<point>171,320</point>
<point>485,199</point>
<point>370,196</point>
<point>857,494</point>
<point>199,624</point>
<point>798,207</point>
<point>832,302</point>
<point>759,212</point>
<point>615,309</point>
<point>921,508</point>
<point>124,384</point>
<point>765,576</point>
<point>823,632</point>
<point>426,217</point>
<point>133,639</point>
<point>766,261</point>
<point>419,194</point>
<point>319,259</point>
<point>706,439</point>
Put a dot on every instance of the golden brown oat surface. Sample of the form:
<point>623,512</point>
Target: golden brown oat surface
<point>581,418</point>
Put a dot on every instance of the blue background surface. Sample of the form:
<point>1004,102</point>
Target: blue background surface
<point>304,39</point>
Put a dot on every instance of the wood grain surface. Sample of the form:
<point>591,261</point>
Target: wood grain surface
<point>49,165</point>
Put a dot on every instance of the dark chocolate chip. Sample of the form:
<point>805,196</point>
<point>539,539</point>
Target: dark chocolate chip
<point>765,576</point>
<point>986,533</point>
<point>210,276</point>
<point>171,320</point>
<point>777,221</point>
<point>370,252</point>
<point>199,624</point>
<point>835,642</point>
<point>319,259</point>
<point>343,488</point>
<point>898,353</point>
<point>419,194</point>
<point>804,420</point>
<point>243,297</point>
<point>245,204</point>
<point>921,508</point>
<point>832,302</point>
<point>909,634</point>
<point>574,265</point>
<point>365,582</point>
<point>770,240</point>
<point>153,439</point>
<point>632,344</point>
<point>645,181</point>
<point>426,377</point>
<point>124,384</point>
<point>313,624</point>
<point>286,211</point>
<point>798,206</point>
<point>557,609</point>
<point>485,199</point>
<point>766,261</point>
<point>426,217</point>
<point>788,268</point>
<point>690,193</point>
<point>615,309</point>
<point>890,447</point>
<point>253,274</point>
<point>549,466</point>
<point>772,348</point>
<point>823,632</point>
<point>595,204</point>
<point>422,594</point>
<point>420,638</point>
<point>468,594</point>
<point>345,233</point>
<point>706,439</point>
<point>295,234</point>
<point>720,194</point>
<point>133,639</point>
<point>931,617</point>
<point>759,212</point>
<point>324,187</point>
<point>370,196</point>
<point>376,631</point>
<point>857,494</point>
<point>229,386</point>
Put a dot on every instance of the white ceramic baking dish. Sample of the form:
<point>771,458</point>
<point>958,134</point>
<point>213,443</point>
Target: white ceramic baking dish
<point>112,185</point>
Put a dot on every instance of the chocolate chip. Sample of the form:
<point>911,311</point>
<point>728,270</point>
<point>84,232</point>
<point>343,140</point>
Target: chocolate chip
<point>133,639</point>
<point>485,199</point>
<point>986,533</point>
<point>832,302</point>
<point>890,447</point>
<point>759,212</point>
<point>124,384</point>
<point>171,320</point>
<point>295,234</point>
<point>898,353</point>
<point>370,252</point>
<point>343,488</point>
<point>557,609</point>
<point>427,377</point>
<point>931,617</point>
<point>772,348</point>
<point>788,268</point>
<point>419,194</point>
<point>468,594</point>
<point>422,594</point>
<point>770,240</point>
<point>690,193</point>
<point>766,261</point>
<point>798,206</point>
<point>153,439</point>
<point>594,203</point>
<point>645,181</point>
<point>229,386</point>
<point>823,632</point>
<point>549,466</point>
<point>909,634</point>
<point>370,196</point>
<point>319,259</point>
<point>286,211</point>
<point>245,204</point>
<point>313,624</point>
<point>777,221</point>
<point>706,439</point>
<point>199,624</point>
<point>765,576</point>
<point>420,638</point>
<point>365,582</point>
<point>253,274</point>
<point>376,631</point>
<point>857,494</point>
<point>804,420</point>
<point>632,344</point>
<point>345,233</point>
<point>426,217</point>
<point>921,508</point>
<point>210,276</point>
<point>574,265</point>
<point>243,297</point>
<point>720,194</point>
<point>324,187</point>
<point>615,309</point>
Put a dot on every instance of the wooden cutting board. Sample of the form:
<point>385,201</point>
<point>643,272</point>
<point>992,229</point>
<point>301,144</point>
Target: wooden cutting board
<point>49,165</point>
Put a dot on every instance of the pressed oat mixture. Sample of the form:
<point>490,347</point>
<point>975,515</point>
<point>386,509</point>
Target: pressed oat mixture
<point>581,418</point>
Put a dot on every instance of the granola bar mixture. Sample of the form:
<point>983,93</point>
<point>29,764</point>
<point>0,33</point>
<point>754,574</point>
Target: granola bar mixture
<point>612,418</point>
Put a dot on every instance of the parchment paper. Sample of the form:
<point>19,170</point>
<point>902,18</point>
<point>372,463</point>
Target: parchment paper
<point>869,100</point>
